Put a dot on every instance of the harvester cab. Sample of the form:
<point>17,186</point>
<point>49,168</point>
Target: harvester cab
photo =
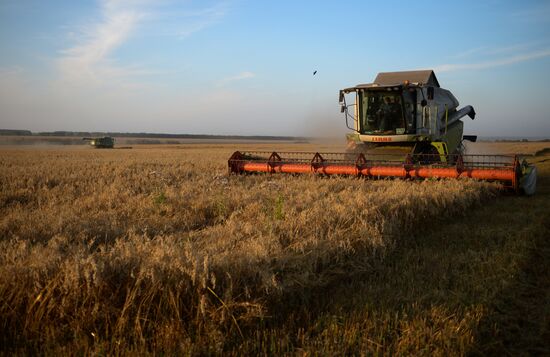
<point>405,112</point>
<point>404,126</point>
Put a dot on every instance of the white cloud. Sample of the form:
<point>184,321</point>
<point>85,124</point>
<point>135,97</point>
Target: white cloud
<point>242,75</point>
<point>10,72</point>
<point>494,62</point>
<point>237,77</point>
<point>539,13</point>
<point>201,19</point>
<point>91,60</point>
<point>484,51</point>
<point>469,52</point>
<point>88,61</point>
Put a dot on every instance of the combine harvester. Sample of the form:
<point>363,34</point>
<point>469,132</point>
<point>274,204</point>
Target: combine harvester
<point>404,126</point>
<point>105,142</point>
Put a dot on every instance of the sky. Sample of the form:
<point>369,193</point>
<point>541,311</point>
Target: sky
<point>246,67</point>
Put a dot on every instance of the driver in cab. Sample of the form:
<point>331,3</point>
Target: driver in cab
<point>386,114</point>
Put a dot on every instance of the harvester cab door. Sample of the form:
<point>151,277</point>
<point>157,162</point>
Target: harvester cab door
<point>345,98</point>
<point>429,112</point>
<point>409,103</point>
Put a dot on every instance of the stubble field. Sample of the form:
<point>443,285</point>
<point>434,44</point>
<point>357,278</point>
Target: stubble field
<point>157,249</point>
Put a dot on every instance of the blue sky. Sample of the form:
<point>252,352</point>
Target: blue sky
<point>245,67</point>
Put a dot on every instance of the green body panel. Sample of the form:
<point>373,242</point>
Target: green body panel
<point>454,136</point>
<point>353,137</point>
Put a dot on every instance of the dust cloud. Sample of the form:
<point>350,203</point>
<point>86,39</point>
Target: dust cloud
<point>325,123</point>
<point>40,141</point>
<point>481,148</point>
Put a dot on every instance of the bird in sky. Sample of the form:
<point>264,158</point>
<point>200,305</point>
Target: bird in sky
<point>315,72</point>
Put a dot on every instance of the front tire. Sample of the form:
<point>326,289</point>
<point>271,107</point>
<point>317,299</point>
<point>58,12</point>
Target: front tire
<point>427,155</point>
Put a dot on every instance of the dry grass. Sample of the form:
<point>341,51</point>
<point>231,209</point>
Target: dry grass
<point>160,250</point>
<point>505,148</point>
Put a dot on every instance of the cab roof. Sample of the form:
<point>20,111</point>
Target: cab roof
<point>393,79</point>
<point>426,77</point>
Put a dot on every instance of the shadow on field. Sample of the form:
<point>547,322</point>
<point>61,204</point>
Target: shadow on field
<point>518,320</point>
<point>477,285</point>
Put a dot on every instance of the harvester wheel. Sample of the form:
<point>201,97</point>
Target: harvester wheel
<point>427,155</point>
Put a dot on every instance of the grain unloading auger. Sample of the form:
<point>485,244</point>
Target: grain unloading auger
<point>404,126</point>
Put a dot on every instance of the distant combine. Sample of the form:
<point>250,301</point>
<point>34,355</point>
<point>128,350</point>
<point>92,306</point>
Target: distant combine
<point>105,142</point>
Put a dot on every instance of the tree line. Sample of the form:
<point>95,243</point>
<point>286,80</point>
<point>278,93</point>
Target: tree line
<point>143,135</point>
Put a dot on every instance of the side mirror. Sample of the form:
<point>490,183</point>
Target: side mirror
<point>342,108</point>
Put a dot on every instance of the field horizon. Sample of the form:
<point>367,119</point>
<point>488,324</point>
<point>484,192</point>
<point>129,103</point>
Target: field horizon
<point>26,137</point>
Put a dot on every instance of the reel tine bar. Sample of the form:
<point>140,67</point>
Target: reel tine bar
<point>500,168</point>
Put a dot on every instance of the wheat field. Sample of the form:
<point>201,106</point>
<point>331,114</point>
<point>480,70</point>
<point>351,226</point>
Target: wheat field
<point>156,249</point>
